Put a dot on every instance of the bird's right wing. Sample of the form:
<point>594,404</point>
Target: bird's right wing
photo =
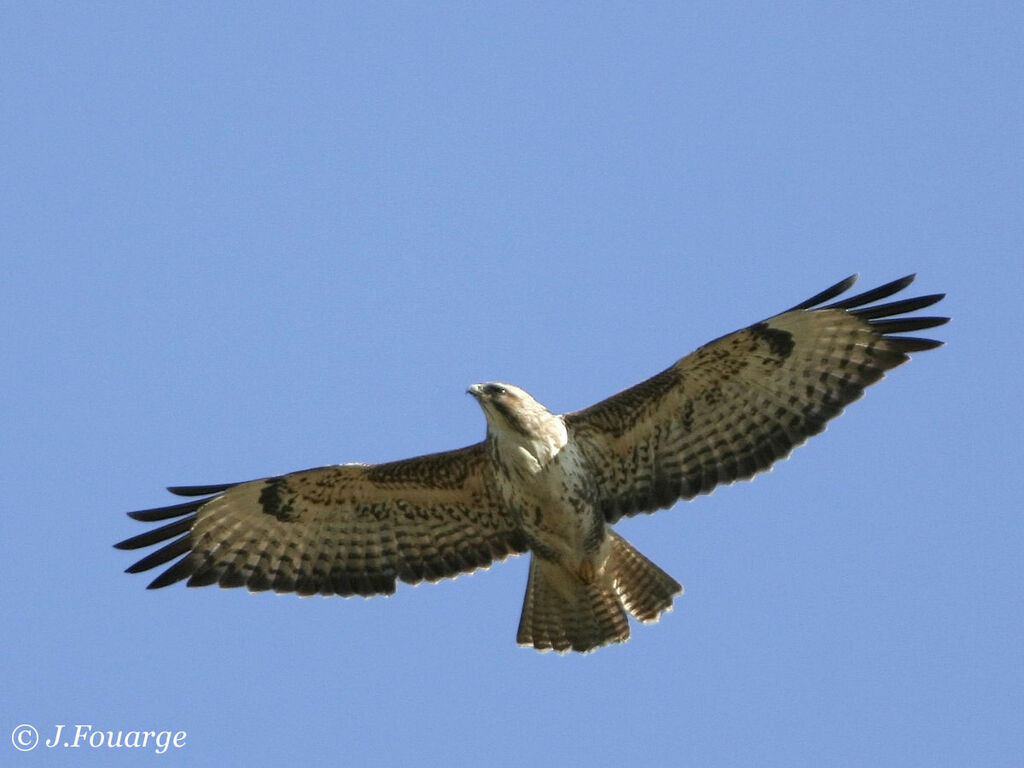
<point>350,529</point>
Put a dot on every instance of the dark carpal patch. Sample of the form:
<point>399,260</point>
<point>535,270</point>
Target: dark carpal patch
<point>277,501</point>
<point>780,343</point>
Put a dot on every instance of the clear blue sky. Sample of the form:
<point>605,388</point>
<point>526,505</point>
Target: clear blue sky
<point>242,239</point>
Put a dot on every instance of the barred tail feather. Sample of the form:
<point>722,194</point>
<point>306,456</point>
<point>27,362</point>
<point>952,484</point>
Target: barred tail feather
<point>646,590</point>
<point>562,612</point>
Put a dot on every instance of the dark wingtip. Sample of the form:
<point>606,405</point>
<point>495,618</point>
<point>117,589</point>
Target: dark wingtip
<point>829,293</point>
<point>128,544</point>
<point>180,571</point>
<point>904,324</point>
<point>881,292</point>
<point>883,318</point>
<point>199,490</point>
<point>180,546</point>
<point>900,307</point>
<point>165,513</point>
<point>911,344</point>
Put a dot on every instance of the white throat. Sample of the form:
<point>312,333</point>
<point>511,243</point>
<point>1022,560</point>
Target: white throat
<point>536,450</point>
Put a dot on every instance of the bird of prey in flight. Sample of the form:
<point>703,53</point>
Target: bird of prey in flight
<point>549,484</point>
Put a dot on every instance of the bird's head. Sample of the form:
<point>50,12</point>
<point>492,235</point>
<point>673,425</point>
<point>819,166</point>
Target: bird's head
<point>511,410</point>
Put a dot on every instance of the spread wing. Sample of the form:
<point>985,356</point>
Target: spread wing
<point>742,402</point>
<point>351,529</point>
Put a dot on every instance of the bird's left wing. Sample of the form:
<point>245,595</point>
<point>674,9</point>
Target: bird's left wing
<point>350,529</point>
<point>738,404</point>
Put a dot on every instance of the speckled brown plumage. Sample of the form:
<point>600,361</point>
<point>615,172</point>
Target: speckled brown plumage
<point>545,483</point>
<point>743,401</point>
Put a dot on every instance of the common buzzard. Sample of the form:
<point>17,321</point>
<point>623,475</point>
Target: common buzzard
<point>546,483</point>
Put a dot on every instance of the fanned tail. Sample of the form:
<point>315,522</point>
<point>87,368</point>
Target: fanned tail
<point>646,590</point>
<point>563,612</point>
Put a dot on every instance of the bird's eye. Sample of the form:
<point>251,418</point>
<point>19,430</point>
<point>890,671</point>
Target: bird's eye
<point>495,389</point>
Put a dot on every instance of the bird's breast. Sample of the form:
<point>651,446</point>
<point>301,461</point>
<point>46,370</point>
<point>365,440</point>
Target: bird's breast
<point>553,503</point>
